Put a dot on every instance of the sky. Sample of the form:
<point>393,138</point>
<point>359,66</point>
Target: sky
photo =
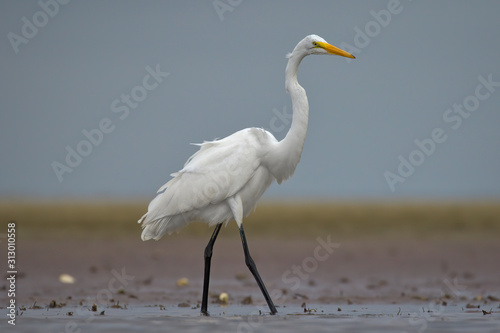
<point>103,98</point>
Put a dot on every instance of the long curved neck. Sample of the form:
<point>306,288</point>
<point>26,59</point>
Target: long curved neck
<point>289,150</point>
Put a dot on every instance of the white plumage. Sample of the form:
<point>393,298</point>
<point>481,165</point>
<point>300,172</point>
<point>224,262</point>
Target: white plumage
<point>225,178</point>
<point>220,170</point>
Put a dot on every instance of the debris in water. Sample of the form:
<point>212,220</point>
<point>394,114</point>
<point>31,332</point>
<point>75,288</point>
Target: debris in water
<point>300,296</point>
<point>247,300</point>
<point>487,312</point>
<point>35,307</point>
<point>118,306</point>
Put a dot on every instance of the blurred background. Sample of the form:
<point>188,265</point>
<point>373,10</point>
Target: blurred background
<point>100,101</point>
<point>83,116</point>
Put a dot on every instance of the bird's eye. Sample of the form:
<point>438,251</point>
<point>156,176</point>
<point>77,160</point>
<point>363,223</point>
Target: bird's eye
<point>315,44</point>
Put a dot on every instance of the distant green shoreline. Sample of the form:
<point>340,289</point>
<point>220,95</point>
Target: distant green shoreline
<point>107,218</point>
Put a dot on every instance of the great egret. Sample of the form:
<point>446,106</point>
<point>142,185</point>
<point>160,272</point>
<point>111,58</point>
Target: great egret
<point>224,179</point>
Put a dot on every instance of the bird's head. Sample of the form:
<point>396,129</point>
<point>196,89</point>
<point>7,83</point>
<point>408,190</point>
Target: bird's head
<point>314,44</point>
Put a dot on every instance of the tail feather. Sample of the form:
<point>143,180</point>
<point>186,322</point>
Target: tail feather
<point>156,229</point>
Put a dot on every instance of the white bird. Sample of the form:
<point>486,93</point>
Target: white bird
<point>224,179</point>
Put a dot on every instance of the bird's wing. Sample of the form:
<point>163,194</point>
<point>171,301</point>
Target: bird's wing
<point>214,173</point>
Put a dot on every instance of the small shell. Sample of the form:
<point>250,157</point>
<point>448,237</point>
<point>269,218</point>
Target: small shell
<point>66,278</point>
<point>182,282</point>
<point>224,298</point>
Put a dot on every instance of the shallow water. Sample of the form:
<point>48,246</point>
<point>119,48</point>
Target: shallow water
<point>389,286</point>
<point>241,318</point>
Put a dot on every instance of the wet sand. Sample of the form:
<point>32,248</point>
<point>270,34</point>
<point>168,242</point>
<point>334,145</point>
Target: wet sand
<point>367,284</point>
<point>371,281</point>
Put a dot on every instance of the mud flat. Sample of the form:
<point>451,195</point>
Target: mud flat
<point>331,267</point>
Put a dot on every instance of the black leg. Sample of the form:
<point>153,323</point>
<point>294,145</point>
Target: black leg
<point>251,266</point>
<point>208,259</point>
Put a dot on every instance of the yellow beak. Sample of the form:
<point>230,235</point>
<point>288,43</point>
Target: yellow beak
<point>335,50</point>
